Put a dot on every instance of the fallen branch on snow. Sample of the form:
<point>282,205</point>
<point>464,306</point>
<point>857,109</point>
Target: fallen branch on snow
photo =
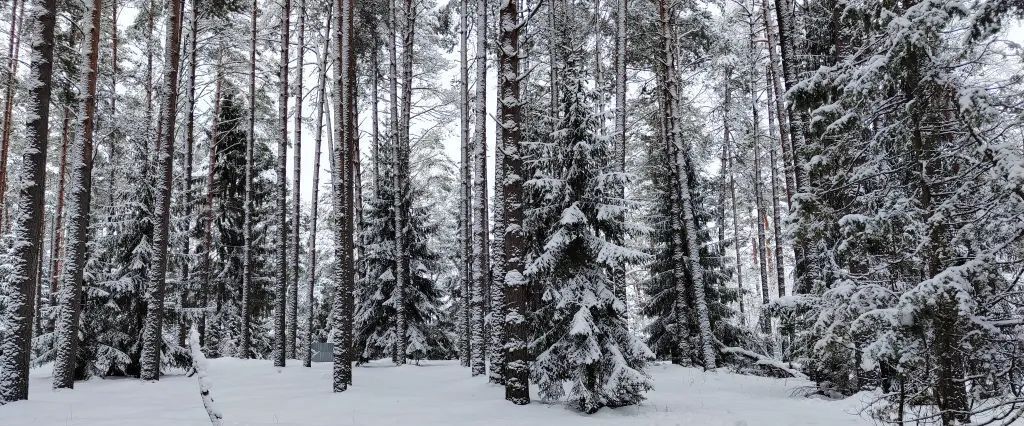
<point>762,360</point>
<point>199,364</point>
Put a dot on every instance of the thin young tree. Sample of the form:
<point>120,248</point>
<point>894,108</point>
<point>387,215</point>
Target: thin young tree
<point>780,272</point>
<point>13,49</point>
<point>79,211</point>
<point>466,184</point>
<point>321,101</point>
<point>152,336</point>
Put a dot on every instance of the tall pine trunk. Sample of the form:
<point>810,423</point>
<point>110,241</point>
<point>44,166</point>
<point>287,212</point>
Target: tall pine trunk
<point>246,308</point>
<point>153,328</point>
<point>516,288</point>
<point>69,299</point>
<point>787,29</point>
<point>186,264</point>
<point>481,262</point>
<point>281,290</point>
<point>775,84</point>
<point>293,288</point>
<point>342,151</point>
<point>679,155</point>
<point>466,171</point>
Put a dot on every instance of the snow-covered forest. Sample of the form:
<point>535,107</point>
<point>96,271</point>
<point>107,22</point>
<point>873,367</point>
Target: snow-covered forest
<point>639,211</point>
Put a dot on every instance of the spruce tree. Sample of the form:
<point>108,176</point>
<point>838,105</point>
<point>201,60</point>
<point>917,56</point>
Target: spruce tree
<point>586,352</point>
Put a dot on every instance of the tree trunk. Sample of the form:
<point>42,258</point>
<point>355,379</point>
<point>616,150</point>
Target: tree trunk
<point>352,209</point>
<point>780,271</point>
<point>16,348</point>
<point>797,133</point>
<point>321,100</point>
<point>342,309</point>
<point>293,288</point>
<point>245,339</point>
<point>516,288</point>
<point>66,328</point>
<point>620,120</point>
<point>186,279</point>
<point>680,158</point>
<point>152,335</point>
<point>281,304</point>
<point>13,49</point>
<point>205,255</point>
<point>466,169</point>
<point>481,263</point>
<point>775,84</point>
<point>57,244</point>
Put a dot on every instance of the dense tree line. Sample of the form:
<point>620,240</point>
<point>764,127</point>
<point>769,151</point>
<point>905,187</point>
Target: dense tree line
<point>820,189</point>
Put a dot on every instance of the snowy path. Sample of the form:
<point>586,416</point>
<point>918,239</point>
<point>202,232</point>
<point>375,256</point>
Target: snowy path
<point>436,393</point>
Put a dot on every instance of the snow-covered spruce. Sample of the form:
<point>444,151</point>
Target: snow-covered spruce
<point>585,351</point>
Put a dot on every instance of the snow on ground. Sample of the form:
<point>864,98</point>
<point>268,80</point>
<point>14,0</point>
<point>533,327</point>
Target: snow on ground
<point>253,392</point>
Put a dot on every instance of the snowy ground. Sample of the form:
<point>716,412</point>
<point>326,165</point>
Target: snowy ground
<point>253,392</point>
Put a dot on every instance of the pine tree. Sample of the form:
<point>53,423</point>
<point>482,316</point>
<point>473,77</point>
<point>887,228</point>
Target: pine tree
<point>282,196</point>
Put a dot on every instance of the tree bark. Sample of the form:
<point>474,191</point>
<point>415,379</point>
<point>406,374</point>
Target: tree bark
<point>481,262</point>
<point>342,170</point>
<point>281,304</point>
<point>57,244</point>
<point>293,288</point>
<point>70,310</point>
<point>186,279</point>
<point>679,154</point>
<point>153,328</point>
<point>245,339</point>
<point>516,288</point>
<point>16,349</point>
<point>780,272</point>
<point>466,217</point>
